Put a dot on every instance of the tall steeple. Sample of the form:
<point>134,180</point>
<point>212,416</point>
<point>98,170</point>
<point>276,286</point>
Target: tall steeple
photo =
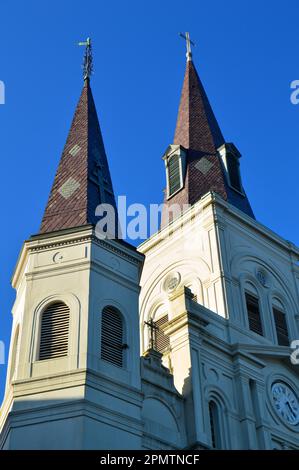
<point>76,318</point>
<point>82,179</point>
<point>207,162</point>
<point>197,127</point>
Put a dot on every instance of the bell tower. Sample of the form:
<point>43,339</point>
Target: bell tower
<point>222,290</point>
<point>73,378</point>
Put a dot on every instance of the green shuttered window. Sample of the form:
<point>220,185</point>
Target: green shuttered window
<point>174,174</point>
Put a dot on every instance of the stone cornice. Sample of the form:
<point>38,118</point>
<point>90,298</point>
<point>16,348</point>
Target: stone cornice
<point>184,319</point>
<point>264,351</point>
<point>39,243</point>
<point>77,236</point>
<point>214,200</point>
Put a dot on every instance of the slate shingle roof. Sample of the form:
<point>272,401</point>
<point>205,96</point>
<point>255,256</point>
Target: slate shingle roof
<point>197,130</point>
<point>82,179</point>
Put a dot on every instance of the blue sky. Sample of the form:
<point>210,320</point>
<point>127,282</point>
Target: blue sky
<point>246,55</point>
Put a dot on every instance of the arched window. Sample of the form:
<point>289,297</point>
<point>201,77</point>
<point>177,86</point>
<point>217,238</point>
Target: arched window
<point>280,323</point>
<point>162,340</point>
<point>112,342</point>
<point>254,313</point>
<point>215,425</point>
<point>54,332</point>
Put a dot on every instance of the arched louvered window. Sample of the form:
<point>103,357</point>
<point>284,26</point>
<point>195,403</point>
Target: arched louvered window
<point>112,342</point>
<point>54,332</point>
<point>174,174</point>
<point>281,326</point>
<point>214,425</point>
<point>162,340</point>
<point>254,313</point>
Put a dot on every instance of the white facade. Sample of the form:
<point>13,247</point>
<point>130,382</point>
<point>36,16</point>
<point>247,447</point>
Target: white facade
<point>219,253</point>
<point>196,271</point>
<point>78,401</point>
<point>220,290</point>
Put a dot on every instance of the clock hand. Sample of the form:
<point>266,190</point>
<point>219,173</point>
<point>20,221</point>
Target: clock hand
<point>290,408</point>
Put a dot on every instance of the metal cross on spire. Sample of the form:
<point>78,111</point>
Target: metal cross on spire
<point>186,36</point>
<point>88,59</point>
<point>153,333</point>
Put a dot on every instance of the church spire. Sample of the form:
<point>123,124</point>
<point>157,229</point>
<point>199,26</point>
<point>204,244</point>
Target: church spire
<point>196,127</point>
<point>82,179</point>
<point>205,162</point>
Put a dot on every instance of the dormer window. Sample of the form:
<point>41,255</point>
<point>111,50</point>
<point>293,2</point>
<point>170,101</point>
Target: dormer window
<point>175,159</point>
<point>174,174</point>
<point>230,158</point>
<point>233,167</point>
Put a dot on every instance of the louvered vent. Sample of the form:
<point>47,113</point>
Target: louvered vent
<point>162,340</point>
<point>254,316</point>
<point>234,172</point>
<point>281,327</point>
<point>112,346</point>
<point>54,334</point>
<point>174,174</point>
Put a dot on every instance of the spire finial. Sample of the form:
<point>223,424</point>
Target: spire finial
<point>186,36</point>
<point>88,59</point>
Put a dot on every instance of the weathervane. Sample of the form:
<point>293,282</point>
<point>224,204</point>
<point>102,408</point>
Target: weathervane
<point>153,330</point>
<point>88,60</point>
<point>186,36</point>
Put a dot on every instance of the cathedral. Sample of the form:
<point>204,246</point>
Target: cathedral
<point>181,343</point>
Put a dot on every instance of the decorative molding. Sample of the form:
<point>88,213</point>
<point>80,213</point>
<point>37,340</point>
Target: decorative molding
<point>89,238</point>
<point>135,260</point>
<point>49,245</point>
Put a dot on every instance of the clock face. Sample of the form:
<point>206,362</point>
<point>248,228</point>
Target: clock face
<point>285,402</point>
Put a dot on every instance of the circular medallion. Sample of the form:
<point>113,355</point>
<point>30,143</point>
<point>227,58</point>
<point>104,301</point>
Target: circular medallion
<point>171,282</point>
